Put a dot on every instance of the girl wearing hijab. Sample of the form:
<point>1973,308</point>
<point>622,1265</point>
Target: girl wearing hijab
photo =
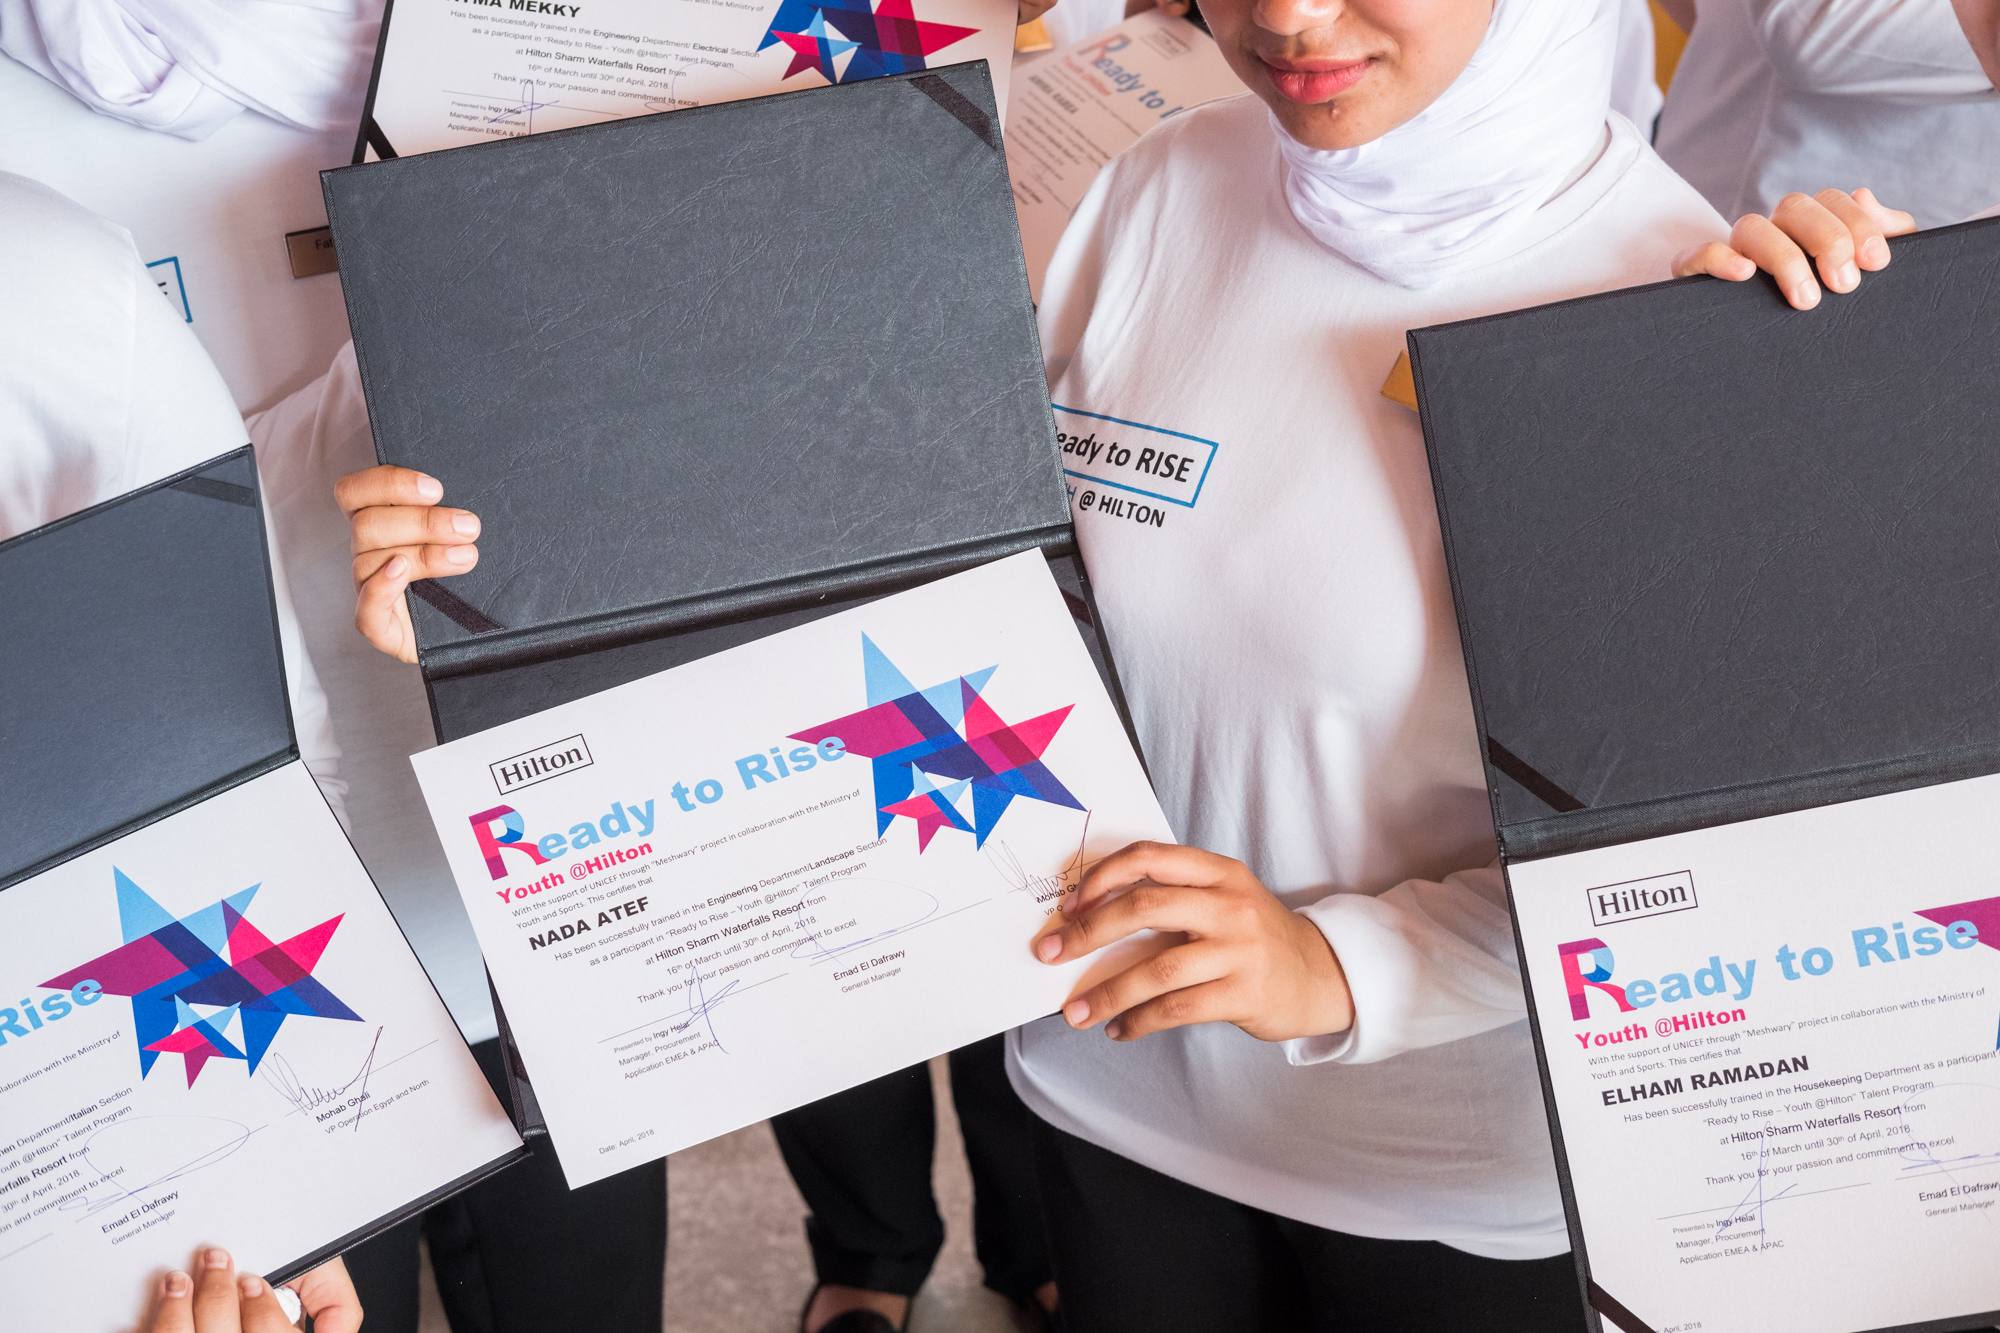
<point>1321,1111</point>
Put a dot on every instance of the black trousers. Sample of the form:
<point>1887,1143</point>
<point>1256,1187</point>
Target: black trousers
<point>1140,1252</point>
<point>522,1253</point>
<point>862,1159</point>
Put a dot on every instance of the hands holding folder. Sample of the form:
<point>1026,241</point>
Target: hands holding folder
<point>214,1299</point>
<point>1243,957</point>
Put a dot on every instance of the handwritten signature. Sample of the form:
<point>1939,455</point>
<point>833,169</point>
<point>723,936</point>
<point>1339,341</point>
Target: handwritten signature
<point>814,948</point>
<point>528,106</point>
<point>103,1151</point>
<point>1041,887</point>
<point>307,1098</point>
<point>703,1005</point>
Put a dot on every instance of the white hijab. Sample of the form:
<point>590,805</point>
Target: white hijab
<point>1452,184</point>
<point>187,66</point>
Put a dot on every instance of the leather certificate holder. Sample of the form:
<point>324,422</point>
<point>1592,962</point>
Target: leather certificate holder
<point>137,690</point>
<point>703,375</point>
<point>1714,560</point>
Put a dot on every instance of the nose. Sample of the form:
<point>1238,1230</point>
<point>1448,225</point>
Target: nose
<point>1289,18</point>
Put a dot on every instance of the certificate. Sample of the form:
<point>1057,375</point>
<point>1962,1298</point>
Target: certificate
<point>212,1032</point>
<point>1771,1052</point>
<point>459,73</point>
<point>1077,108</point>
<point>746,883</point>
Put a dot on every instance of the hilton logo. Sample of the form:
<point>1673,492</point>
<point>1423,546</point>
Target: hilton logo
<point>550,761</point>
<point>1635,898</point>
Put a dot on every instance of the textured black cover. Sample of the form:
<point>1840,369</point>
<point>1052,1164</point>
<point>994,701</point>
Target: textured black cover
<point>142,669</point>
<point>145,676</point>
<point>704,365</point>
<point>1715,558</point>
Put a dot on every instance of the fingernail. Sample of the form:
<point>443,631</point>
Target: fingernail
<point>1048,947</point>
<point>394,569</point>
<point>216,1258</point>
<point>177,1283</point>
<point>430,488</point>
<point>1805,296</point>
<point>465,525</point>
<point>1113,1029</point>
<point>458,555</point>
<point>252,1287</point>
<point>1077,1012</point>
<point>1875,250</point>
<point>1849,277</point>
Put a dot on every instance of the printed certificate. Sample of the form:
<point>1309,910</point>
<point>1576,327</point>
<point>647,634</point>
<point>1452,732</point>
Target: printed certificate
<point>752,881</point>
<point>462,71</point>
<point>212,1033</point>
<point>1772,1052</point>
<point>1077,108</point>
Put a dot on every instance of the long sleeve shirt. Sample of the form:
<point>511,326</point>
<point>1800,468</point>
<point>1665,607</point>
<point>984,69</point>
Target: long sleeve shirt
<point>1286,637</point>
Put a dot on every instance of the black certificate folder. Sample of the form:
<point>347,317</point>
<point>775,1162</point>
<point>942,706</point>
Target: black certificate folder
<point>1728,587</point>
<point>200,951</point>
<point>702,375</point>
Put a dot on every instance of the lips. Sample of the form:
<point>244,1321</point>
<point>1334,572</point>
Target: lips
<point>1310,81</point>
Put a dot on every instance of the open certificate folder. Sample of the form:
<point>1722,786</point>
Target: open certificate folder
<point>1728,588</point>
<point>755,880</point>
<point>211,1030</point>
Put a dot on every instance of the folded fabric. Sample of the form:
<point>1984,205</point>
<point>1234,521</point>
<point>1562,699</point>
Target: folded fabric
<point>186,66</point>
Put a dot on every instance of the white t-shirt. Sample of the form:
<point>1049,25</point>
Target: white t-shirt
<point>1291,655</point>
<point>103,389</point>
<point>1773,96</point>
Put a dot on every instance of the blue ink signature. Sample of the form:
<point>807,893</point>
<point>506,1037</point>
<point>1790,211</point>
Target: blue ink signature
<point>1756,1213</point>
<point>1917,1153</point>
<point>813,947</point>
<point>529,106</point>
<point>110,1192</point>
<point>703,1006</point>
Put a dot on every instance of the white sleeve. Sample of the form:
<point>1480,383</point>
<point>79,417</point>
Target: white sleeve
<point>1905,51</point>
<point>1427,963</point>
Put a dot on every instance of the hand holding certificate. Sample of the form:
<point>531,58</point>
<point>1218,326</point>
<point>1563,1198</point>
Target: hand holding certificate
<point>749,882</point>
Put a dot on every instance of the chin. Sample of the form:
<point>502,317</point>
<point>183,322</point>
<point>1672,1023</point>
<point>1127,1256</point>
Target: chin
<point>1320,125</point>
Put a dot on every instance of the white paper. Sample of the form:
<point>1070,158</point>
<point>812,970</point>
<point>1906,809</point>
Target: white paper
<point>109,1175</point>
<point>1079,107</point>
<point>1801,1142</point>
<point>714,927</point>
<point>467,72</point>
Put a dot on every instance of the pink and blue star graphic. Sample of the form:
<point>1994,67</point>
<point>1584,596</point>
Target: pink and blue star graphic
<point>947,731</point>
<point>886,39</point>
<point>168,967</point>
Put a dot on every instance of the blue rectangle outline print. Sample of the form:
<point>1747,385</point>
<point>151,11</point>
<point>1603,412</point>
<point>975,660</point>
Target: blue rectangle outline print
<point>1157,430</point>
<point>180,284</point>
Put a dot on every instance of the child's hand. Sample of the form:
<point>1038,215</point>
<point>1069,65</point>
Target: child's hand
<point>1248,959</point>
<point>216,1300</point>
<point>400,534</point>
<point>1844,232</point>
